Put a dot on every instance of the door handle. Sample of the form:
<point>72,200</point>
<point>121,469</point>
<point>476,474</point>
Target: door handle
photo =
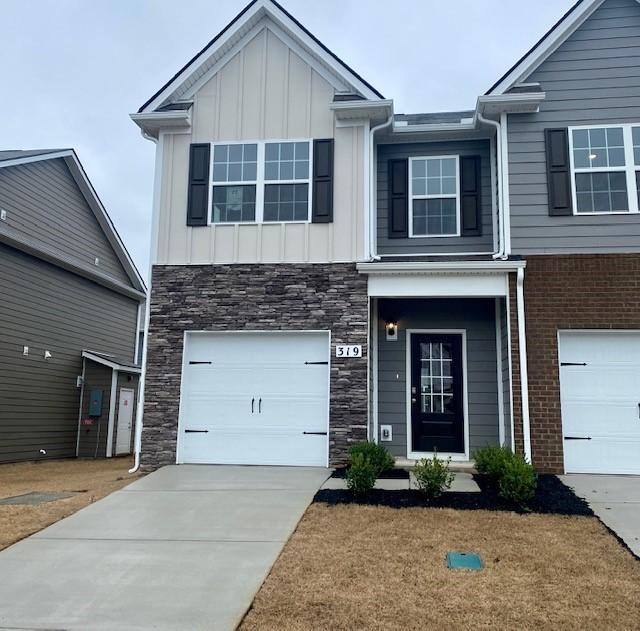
<point>252,402</point>
<point>260,405</point>
<point>414,400</point>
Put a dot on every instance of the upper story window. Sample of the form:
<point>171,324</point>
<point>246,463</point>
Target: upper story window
<point>605,162</point>
<point>434,194</point>
<point>261,182</point>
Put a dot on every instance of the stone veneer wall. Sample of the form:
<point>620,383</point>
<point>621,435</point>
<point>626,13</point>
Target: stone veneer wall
<point>276,297</point>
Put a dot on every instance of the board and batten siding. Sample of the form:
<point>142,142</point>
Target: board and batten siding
<point>427,245</point>
<point>592,78</point>
<point>45,206</point>
<point>266,91</point>
<point>477,317</point>
<point>46,308</point>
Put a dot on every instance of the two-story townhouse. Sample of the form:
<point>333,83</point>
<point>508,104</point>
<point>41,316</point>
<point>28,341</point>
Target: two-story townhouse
<point>326,270</point>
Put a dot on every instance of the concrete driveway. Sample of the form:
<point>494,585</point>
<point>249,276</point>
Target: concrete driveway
<point>186,547</point>
<point>615,499</point>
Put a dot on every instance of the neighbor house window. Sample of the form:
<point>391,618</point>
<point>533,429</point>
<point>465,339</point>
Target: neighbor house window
<point>262,181</point>
<point>286,177</point>
<point>604,160</point>
<point>434,192</point>
<point>235,174</point>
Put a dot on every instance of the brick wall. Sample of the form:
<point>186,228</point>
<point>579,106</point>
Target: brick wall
<point>567,292</point>
<point>254,297</point>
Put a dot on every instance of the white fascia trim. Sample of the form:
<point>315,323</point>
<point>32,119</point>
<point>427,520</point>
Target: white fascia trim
<point>112,412</point>
<point>266,8</point>
<point>522,102</point>
<point>362,109</point>
<point>99,359</point>
<point>440,267</point>
<point>155,121</point>
<point>79,175</point>
<point>547,46</point>
<point>435,127</point>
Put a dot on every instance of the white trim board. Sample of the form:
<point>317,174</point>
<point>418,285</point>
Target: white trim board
<point>259,14</point>
<point>438,285</point>
<point>546,46</point>
<point>416,455</point>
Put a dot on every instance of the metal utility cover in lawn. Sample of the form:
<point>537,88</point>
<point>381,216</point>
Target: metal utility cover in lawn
<point>35,498</point>
<point>464,561</point>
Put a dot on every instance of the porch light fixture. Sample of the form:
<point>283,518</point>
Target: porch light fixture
<point>391,329</point>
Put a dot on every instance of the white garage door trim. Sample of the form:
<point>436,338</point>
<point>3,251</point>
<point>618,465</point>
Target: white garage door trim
<point>574,462</point>
<point>300,332</point>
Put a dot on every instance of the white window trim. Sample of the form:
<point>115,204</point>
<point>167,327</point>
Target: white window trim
<point>440,196</point>
<point>260,182</point>
<point>629,170</point>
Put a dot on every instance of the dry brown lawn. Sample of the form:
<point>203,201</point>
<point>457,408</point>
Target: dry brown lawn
<point>355,567</point>
<point>94,478</point>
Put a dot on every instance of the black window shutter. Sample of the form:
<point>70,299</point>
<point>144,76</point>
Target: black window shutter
<point>470,194</point>
<point>558,171</point>
<point>198,197</point>
<point>322,200</point>
<point>398,199</point>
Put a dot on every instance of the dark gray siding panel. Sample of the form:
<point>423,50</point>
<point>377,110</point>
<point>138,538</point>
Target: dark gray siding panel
<point>44,203</point>
<point>46,308</point>
<point>482,243</point>
<point>506,380</point>
<point>477,316</point>
<point>594,77</point>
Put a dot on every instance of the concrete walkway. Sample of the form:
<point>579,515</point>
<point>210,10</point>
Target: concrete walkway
<point>186,547</point>
<point>615,499</point>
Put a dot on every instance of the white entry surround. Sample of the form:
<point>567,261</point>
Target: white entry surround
<point>255,397</point>
<point>600,400</point>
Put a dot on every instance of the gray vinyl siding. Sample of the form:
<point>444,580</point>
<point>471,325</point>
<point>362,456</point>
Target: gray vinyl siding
<point>44,204</point>
<point>430,245</point>
<point>46,308</point>
<point>477,317</point>
<point>593,78</point>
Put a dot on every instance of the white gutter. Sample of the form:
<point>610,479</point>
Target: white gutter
<point>373,209</point>
<point>155,221</point>
<point>524,377</point>
<point>500,254</point>
<point>441,266</point>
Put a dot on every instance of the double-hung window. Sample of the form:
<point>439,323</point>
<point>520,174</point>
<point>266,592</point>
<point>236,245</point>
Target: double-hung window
<point>434,192</point>
<point>605,161</point>
<point>261,182</point>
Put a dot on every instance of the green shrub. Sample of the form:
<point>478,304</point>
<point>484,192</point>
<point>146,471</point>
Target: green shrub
<point>517,483</point>
<point>361,475</point>
<point>491,460</point>
<point>433,476</point>
<point>376,454</point>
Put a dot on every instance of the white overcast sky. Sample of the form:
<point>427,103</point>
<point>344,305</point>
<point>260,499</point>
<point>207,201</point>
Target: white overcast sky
<point>74,69</point>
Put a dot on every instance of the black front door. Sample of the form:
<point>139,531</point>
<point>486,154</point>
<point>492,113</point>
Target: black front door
<point>437,414</point>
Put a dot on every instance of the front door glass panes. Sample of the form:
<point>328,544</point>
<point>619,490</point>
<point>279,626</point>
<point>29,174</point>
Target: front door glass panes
<point>436,378</point>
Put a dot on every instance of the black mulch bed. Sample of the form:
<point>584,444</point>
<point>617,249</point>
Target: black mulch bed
<point>552,498</point>
<point>389,474</point>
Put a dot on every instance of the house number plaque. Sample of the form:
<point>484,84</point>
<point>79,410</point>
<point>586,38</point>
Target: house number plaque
<point>353,350</point>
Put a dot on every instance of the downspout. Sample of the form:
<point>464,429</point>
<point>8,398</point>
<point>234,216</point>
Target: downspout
<point>500,254</point>
<point>373,205</point>
<point>147,312</point>
<point>524,377</point>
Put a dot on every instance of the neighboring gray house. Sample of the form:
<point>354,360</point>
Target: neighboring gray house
<point>69,313</point>
<point>326,270</point>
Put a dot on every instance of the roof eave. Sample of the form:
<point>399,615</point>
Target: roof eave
<point>152,123</point>
<point>521,103</point>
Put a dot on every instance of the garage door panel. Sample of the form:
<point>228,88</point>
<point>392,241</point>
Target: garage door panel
<point>600,393</point>
<point>290,397</point>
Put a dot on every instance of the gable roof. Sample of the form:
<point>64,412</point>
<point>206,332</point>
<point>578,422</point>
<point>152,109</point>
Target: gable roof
<point>11,158</point>
<point>546,45</point>
<point>231,34</point>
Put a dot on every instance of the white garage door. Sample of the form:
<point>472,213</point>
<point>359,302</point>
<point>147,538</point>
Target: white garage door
<point>600,398</point>
<point>255,398</point>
